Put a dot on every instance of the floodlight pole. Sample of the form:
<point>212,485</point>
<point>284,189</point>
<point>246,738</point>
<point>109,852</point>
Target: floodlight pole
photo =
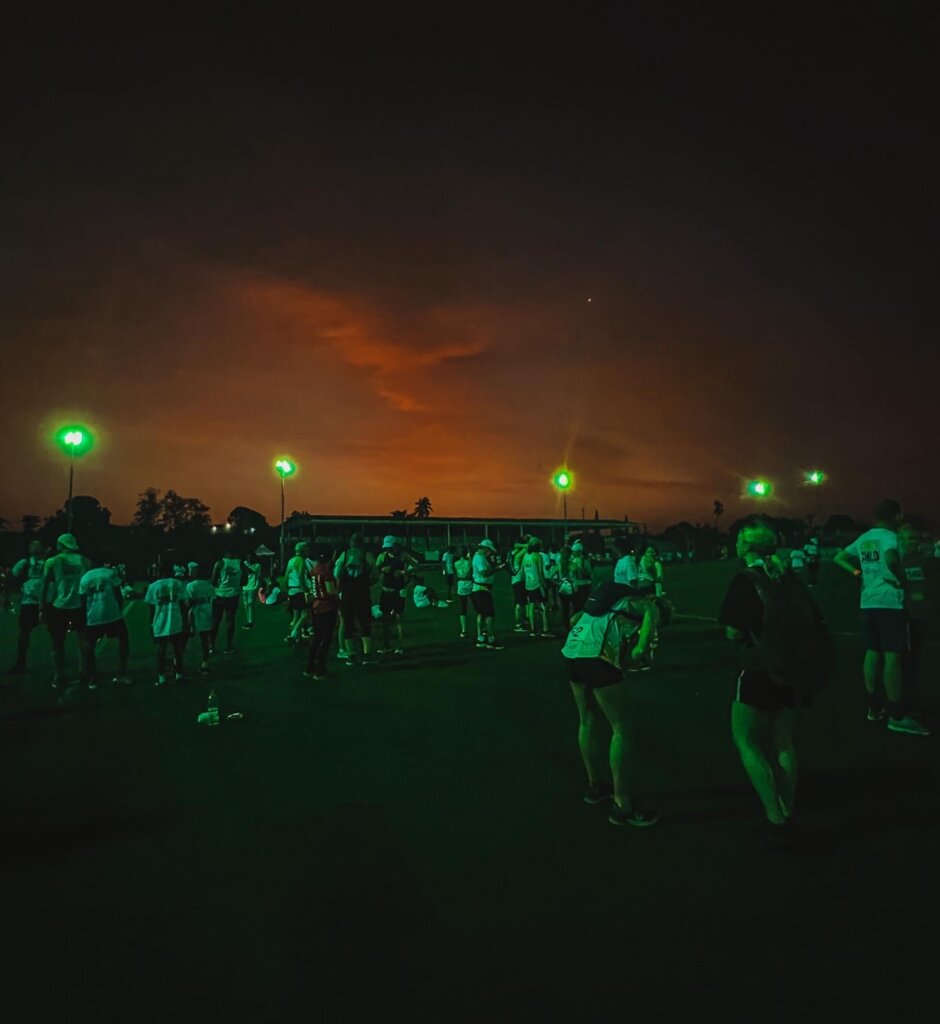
<point>71,482</point>
<point>564,504</point>
<point>282,521</point>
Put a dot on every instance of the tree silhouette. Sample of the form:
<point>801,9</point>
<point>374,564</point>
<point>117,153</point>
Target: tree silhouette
<point>399,513</point>
<point>246,519</point>
<point>423,508</point>
<point>30,524</point>
<point>148,508</point>
<point>718,511</point>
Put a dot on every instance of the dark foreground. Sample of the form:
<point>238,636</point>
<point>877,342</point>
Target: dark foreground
<point>410,841</point>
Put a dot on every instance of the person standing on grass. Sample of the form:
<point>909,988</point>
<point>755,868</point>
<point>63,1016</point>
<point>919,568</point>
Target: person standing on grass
<point>463,571</point>
<point>447,567</point>
<point>582,575</point>
<point>29,570</point>
<point>550,560</point>
<point>517,579</point>
<point>875,558</point>
<point>565,586</point>
<point>228,578</point>
<point>355,573</point>
<point>649,573</point>
<point>594,651</point>
<point>626,571</point>
<point>166,597</point>
<point>61,604</point>
<point>250,590</point>
<point>200,597</point>
<point>103,603</point>
<point>811,554</point>
<point>484,566</point>
<point>786,654</point>
<point>298,587</point>
<point>324,606</point>
<point>913,562</point>
<point>393,566</point>
<point>533,572</point>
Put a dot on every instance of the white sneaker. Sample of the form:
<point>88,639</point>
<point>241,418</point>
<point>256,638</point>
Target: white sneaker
<point>909,725</point>
<point>344,655</point>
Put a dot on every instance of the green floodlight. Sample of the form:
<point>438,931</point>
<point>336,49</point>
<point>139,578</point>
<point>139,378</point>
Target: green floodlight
<point>74,440</point>
<point>759,488</point>
<point>562,480</point>
<point>285,467</point>
<point>816,477</point>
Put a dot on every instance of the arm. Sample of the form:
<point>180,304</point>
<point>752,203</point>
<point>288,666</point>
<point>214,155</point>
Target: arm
<point>650,618</point>
<point>216,569</point>
<point>47,577</point>
<point>848,562</point>
<point>893,562</point>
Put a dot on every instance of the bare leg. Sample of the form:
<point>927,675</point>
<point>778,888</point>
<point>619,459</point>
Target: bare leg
<point>786,773</point>
<point>752,731</point>
<point>613,701</point>
<point>589,733</point>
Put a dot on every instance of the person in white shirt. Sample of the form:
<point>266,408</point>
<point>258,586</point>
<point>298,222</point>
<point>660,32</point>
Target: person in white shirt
<point>61,604</point>
<point>484,567</point>
<point>582,575</point>
<point>626,571</point>
<point>517,580</point>
<point>649,569</point>
<point>167,599</point>
<point>103,602</point>
<point>297,578</point>
<point>249,590</point>
<point>200,596</point>
<point>447,568</point>
<point>533,572</point>
<point>552,574</point>
<point>875,558</point>
<point>798,560</point>
<point>29,570</point>
<point>811,550</point>
<point>425,596</point>
<point>228,578</point>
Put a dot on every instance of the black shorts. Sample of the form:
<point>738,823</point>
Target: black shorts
<point>518,592</point>
<point>595,673</point>
<point>355,607</point>
<point>118,628</point>
<point>391,602</point>
<point>297,602</point>
<point>482,601</point>
<point>449,577</point>
<point>29,616</point>
<point>535,596</point>
<point>464,600</point>
<point>61,620</point>
<point>227,604</point>
<point>759,691</point>
<point>885,629</point>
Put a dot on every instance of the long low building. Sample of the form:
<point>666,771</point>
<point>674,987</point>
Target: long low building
<point>436,533</point>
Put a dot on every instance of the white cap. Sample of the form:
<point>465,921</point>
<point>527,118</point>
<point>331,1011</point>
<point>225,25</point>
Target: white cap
<point>389,542</point>
<point>577,546</point>
<point>487,543</point>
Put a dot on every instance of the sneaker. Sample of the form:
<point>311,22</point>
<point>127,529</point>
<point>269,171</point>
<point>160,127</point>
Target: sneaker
<point>399,650</point>
<point>343,655</point>
<point>909,725</point>
<point>126,680</point>
<point>622,816</point>
<point>313,676</point>
<point>248,626</point>
<point>493,646</point>
<point>481,642</point>
<point>179,677</point>
<point>229,650</point>
<point>548,636</point>
<point>520,629</point>
<point>876,715</point>
<point>367,661</point>
<point>203,670</point>
<point>599,793</point>
<point>92,684</point>
<point>161,681</point>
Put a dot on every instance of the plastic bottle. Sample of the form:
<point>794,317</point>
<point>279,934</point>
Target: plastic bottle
<point>212,708</point>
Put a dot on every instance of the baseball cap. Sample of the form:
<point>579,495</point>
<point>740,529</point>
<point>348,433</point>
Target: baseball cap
<point>389,542</point>
<point>487,543</point>
<point>67,541</point>
<point>577,546</point>
<point>192,565</point>
<point>301,544</point>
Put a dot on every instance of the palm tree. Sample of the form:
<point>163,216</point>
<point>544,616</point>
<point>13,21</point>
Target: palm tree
<point>423,508</point>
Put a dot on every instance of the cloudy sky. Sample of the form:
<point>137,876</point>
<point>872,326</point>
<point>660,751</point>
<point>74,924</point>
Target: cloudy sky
<point>445,257</point>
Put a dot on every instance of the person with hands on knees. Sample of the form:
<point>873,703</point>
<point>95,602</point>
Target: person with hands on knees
<point>594,650</point>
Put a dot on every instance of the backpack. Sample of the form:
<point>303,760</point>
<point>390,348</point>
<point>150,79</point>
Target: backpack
<point>602,598</point>
<point>794,645</point>
<point>353,570</point>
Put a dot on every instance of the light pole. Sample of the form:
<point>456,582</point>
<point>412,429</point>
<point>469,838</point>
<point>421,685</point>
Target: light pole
<point>285,468</point>
<point>562,481</point>
<point>816,478</point>
<point>74,441</point>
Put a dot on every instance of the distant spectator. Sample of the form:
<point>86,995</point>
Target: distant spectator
<point>29,570</point>
<point>61,602</point>
<point>811,550</point>
<point>102,602</point>
<point>166,597</point>
<point>200,598</point>
<point>913,562</point>
<point>228,578</point>
<point>324,607</point>
<point>447,568</point>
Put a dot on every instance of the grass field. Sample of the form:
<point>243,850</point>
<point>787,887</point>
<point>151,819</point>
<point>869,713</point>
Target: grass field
<point>410,839</point>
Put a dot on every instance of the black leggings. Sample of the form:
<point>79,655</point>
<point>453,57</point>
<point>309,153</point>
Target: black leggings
<point>324,623</point>
<point>178,642</point>
<point>227,606</point>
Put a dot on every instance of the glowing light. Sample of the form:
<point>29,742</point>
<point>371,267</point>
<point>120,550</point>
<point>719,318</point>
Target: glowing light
<point>760,488</point>
<point>563,480</point>
<point>816,477</point>
<point>74,439</point>
<point>285,467</point>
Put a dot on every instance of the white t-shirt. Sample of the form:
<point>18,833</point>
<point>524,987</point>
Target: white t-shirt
<point>797,558</point>
<point>880,586</point>
<point>517,571</point>
<point>811,549</point>
<point>230,577</point>
<point>550,565</point>
<point>296,576</point>
<point>533,571</point>
<point>420,595</point>
<point>579,570</point>
<point>30,570</point>
<point>165,596</point>
<point>201,595</point>
<point>97,587</point>
<point>626,571</point>
<point>483,572</point>
<point>464,570</point>
<point>447,562</point>
<point>253,578</point>
<point>66,569</point>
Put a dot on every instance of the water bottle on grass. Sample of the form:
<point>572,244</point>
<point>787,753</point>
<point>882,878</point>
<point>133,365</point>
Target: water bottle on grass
<point>212,708</point>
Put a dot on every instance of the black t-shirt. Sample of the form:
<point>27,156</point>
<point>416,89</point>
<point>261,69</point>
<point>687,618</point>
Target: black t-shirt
<point>394,579</point>
<point>742,608</point>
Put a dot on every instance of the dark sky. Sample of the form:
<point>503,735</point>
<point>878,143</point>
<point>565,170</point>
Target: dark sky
<point>442,255</point>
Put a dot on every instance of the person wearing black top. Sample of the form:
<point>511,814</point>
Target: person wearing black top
<point>763,711</point>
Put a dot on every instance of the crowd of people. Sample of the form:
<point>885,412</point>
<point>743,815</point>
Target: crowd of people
<point>610,630</point>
